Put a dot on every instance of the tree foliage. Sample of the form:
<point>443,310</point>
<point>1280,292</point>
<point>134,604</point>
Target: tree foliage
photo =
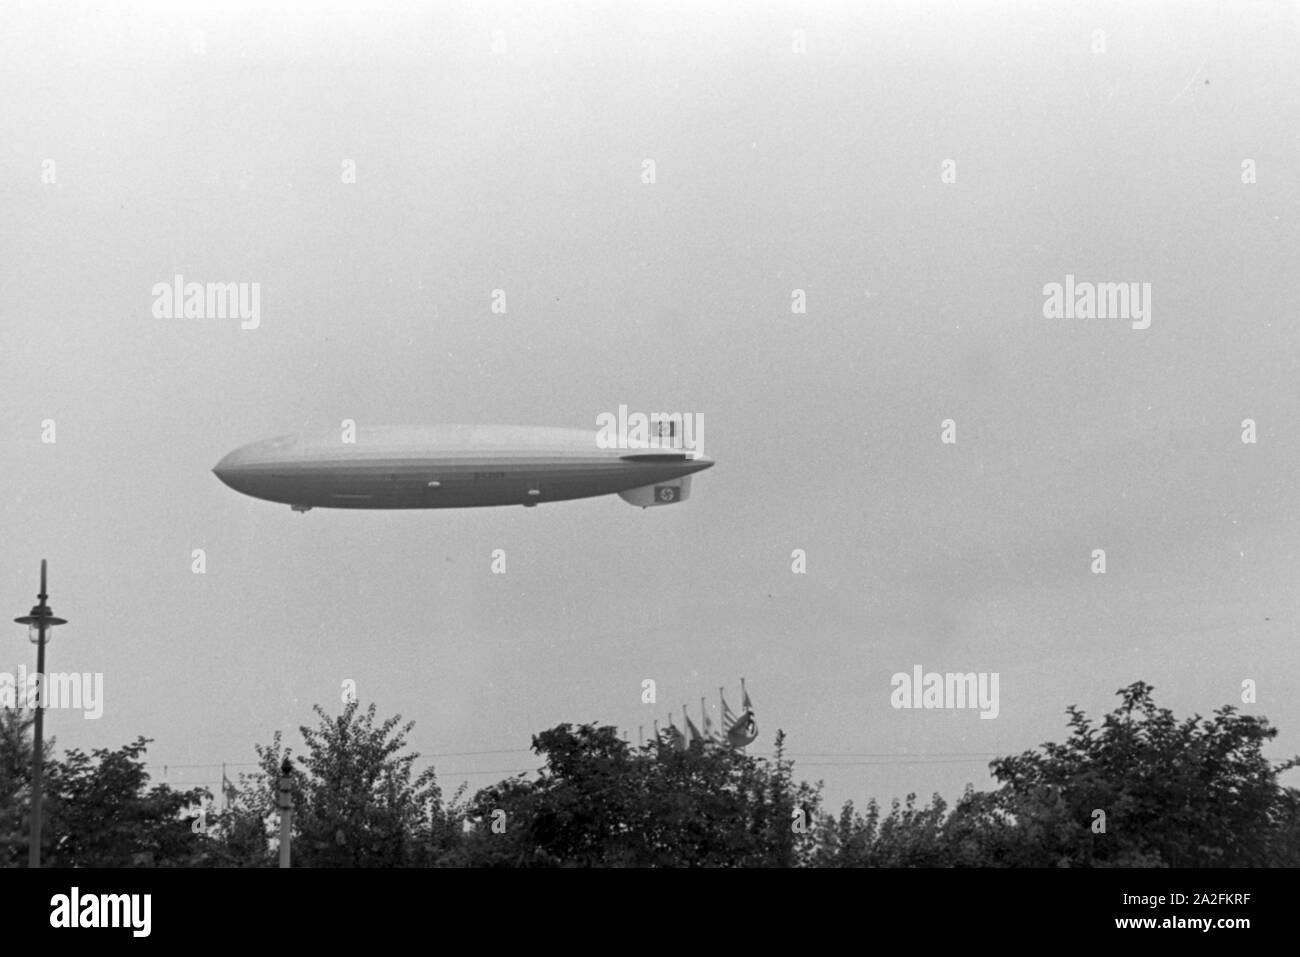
<point>98,809</point>
<point>1192,793</point>
<point>357,799</point>
<point>15,784</point>
<point>1139,788</point>
<point>598,802</point>
<point>104,813</point>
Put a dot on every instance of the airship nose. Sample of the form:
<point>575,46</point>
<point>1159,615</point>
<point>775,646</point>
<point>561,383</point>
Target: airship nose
<point>248,460</point>
<point>226,468</point>
<point>235,466</point>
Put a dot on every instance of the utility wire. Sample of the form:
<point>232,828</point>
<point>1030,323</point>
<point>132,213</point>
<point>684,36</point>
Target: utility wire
<point>872,758</point>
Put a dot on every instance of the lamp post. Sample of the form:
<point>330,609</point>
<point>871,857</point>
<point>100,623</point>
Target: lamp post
<point>38,623</point>
<point>284,800</point>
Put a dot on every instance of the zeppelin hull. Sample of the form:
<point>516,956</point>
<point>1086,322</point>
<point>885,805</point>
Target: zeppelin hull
<point>445,467</point>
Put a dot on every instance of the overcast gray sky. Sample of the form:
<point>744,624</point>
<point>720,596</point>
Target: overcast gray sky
<point>503,146</point>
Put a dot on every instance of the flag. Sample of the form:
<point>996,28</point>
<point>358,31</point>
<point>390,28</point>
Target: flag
<point>728,716</point>
<point>744,729</point>
<point>691,730</point>
<point>675,737</point>
<point>710,734</point>
<point>665,493</point>
<point>228,790</point>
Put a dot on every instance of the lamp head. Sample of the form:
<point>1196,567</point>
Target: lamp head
<point>41,619</point>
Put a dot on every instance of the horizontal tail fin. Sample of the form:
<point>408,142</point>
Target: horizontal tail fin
<point>656,457</point>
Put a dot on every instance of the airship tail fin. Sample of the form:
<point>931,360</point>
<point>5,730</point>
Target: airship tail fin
<point>661,493</point>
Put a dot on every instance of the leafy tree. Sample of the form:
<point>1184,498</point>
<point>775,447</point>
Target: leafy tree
<point>597,802</point>
<point>15,784</point>
<point>357,799</point>
<point>1191,793</point>
<point>909,836</point>
<point>104,814</point>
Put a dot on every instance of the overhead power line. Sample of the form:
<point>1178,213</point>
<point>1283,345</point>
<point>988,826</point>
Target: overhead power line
<point>858,759</point>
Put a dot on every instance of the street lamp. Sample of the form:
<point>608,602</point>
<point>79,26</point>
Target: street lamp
<point>38,623</point>
<point>284,801</point>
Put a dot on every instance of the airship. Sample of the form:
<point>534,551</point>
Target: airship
<point>456,466</point>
